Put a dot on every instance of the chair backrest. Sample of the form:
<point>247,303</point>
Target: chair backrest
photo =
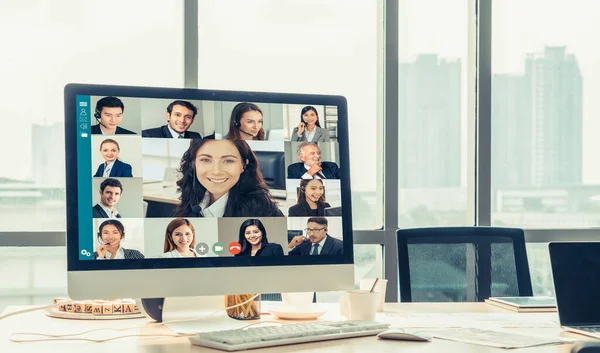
<point>272,167</point>
<point>586,347</point>
<point>462,263</point>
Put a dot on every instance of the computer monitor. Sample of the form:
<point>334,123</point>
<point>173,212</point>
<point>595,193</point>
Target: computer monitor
<point>120,140</point>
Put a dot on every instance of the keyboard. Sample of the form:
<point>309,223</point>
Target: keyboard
<point>269,336</point>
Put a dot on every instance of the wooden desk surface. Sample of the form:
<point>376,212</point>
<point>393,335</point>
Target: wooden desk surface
<point>39,322</point>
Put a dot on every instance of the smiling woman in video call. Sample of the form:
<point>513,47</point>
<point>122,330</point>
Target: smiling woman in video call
<point>110,235</point>
<point>180,239</point>
<point>311,199</point>
<point>310,129</point>
<point>253,238</point>
<point>246,123</point>
<point>221,179</point>
<point>112,167</point>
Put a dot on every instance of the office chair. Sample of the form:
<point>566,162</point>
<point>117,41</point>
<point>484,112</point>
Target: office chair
<point>586,347</point>
<point>455,264</point>
<point>272,167</point>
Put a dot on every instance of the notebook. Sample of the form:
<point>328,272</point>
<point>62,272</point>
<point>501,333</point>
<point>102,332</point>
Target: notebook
<point>524,304</point>
<point>576,273</point>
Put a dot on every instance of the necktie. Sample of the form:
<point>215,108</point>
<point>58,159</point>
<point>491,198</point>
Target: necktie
<point>320,175</point>
<point>180,137</point>
<point>315,249</point>
<point>107,171</point>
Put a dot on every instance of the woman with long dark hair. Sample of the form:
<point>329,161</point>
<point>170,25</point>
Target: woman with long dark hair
<point>311,199</point>
<point>221,178</point>
<point>111,234</point>
<point>246,123</point>
<point>253,238</point>
<point>309,129</point>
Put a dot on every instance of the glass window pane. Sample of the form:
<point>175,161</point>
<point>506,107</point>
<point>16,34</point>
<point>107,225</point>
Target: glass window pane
<point>433,113</point>
<point>320,47</point>
<point>539,267</point>
<point>108,42</point>
<point>545,88</point>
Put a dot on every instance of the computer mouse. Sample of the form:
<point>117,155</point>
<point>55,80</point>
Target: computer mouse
<point>400,334</point>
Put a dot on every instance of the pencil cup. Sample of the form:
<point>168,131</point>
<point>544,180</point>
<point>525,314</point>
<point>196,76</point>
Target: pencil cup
<point>246,311</point>
<point>380,288</point>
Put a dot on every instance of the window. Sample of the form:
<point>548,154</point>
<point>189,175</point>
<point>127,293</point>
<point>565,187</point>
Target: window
<point>434,113</point>
<point>545,86</point>
<point>69,41</point>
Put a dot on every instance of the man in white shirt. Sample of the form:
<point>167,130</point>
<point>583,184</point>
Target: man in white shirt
<point>110,194</point>
<point>318,241</point>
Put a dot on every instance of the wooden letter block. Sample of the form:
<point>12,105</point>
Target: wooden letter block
<point>70,308</point>
<point>97,309</point>
<point>78,307</point>
<point>62,307</point>
<point>107,308</point>
<point>88,307</point>
<point>128,308</point>
<point>117,308</point>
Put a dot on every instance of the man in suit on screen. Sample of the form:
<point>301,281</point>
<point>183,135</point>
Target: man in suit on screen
<point>110,194</point>
<point>180,117</point>
<point>318,241</point>
<point>311,166</point>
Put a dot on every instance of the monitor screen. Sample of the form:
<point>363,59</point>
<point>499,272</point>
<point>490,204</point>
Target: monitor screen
<point>195,179</point>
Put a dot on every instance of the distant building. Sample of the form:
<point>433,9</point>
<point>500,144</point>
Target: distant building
<point>48,156</point>
<point>430,126</point>
<point>537,122</point>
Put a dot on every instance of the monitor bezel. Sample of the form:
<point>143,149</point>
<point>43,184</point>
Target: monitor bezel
<point>74,263</point>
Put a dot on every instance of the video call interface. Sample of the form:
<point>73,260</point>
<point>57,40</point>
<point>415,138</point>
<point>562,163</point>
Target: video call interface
<point>170,178</point>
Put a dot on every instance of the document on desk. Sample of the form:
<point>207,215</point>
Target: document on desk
<point>492,338</point>
<point>479,320</point>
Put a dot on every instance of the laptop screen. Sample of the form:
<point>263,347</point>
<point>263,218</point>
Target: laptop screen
<point>576,272</point>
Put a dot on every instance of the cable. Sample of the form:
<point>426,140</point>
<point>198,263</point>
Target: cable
<point>69,337</point>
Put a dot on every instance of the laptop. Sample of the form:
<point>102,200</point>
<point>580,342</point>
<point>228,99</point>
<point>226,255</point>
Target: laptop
<point>576,273</point>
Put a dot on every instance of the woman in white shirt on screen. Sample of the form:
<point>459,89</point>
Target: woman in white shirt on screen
<point>111,234</point>
<point>180,239</point>
<point>309,129</point>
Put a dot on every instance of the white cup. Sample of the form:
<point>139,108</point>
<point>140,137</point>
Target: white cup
<point>298,300</point>
<point>380,288</point>
<point>359,305</point>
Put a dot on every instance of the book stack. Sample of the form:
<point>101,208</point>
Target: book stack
<point>524,304</point>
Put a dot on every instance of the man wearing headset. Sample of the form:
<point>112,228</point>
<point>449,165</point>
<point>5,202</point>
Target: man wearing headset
<point>180,117</point>
<point>109,114</point>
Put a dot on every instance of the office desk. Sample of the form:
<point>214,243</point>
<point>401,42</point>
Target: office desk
<point>39,322</point>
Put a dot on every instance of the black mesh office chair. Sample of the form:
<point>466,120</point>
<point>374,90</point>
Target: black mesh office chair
<point>586,347</point>
<point>455,264</point>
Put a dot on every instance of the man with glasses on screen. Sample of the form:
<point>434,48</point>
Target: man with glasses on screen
<point>318,241</point>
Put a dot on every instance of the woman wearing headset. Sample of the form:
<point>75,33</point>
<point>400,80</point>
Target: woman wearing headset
<point>246,123</point>
<point>311,199</point>
<point>112,167</point>
<point>310,129</point>
<point>110,235</point>
<point>253,238</point>
<point>221,179</point>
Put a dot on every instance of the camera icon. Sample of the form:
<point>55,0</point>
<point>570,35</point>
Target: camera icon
<point>86,253</point>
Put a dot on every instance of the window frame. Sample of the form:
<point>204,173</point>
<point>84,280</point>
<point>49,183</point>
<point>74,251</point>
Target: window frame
<point>478,132</point>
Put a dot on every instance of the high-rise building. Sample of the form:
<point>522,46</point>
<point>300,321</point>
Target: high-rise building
<point>430,125</point>
<point>537,122</point>
<point>48,159</point>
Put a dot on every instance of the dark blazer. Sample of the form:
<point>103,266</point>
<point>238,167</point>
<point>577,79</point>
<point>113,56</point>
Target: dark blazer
<point>332,246</point>
<point>98,212</point>
<point>129,254</point>
<point>252,204</point>
<point>269,249</point>
<point>119,169</point>
<point>303,210</point>
<point>120,131</point>
<point>329,169</point>
<point>163,132</point>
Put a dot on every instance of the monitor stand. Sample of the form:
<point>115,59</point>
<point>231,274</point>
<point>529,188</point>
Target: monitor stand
<point>194,314</point>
